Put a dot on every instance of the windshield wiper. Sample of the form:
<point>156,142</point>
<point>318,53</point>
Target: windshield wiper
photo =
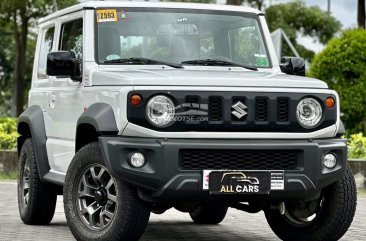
<point>142,61</point>
<point>217,62</point>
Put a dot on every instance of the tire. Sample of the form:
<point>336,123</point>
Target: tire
<point>99,206</point>
<point>36,199</point>
<point>209,214</point>
<point>334,217</point>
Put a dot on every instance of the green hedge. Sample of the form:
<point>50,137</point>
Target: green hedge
<point>8,133</point>
<point>357,146</point>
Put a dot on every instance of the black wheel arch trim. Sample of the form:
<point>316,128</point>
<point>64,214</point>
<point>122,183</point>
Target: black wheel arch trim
<point>99,116</point>
<point>341,129</point>
<point>31,124</point>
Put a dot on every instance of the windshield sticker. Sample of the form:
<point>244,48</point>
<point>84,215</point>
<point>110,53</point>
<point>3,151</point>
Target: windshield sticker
<point>123,15</point>
<point>262,60</point>
<point>106,15</point>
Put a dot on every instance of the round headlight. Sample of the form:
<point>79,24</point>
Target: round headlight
<point>309,112</point>
<point>160,111</point>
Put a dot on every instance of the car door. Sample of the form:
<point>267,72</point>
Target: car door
<point>65,98</point>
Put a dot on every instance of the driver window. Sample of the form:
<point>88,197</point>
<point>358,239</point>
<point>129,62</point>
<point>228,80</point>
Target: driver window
<point>72,38</point>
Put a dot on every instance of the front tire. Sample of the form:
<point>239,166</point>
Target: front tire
<point>99,206</point>
<point>331,217</point>
<point>36,199</point>
<point>208,214</point>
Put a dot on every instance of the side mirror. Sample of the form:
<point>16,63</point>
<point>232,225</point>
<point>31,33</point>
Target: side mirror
<point>63,63</point>
<point>293,66</point>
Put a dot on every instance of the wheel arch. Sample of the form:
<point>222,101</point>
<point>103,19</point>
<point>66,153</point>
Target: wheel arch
<point>31,125</point>
<point>97,120</point>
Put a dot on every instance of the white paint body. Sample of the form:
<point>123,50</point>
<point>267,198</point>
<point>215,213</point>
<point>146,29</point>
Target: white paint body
<point>63,100</point>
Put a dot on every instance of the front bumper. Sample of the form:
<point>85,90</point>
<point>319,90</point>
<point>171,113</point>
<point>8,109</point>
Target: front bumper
<point>164,179</point>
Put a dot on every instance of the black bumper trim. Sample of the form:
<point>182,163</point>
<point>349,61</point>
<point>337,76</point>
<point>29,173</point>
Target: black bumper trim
<point>161,179</point>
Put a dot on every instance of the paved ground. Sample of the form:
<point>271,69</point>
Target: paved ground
<point>171,225</point>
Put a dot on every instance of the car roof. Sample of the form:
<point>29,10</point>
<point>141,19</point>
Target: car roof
<point>118,4</point>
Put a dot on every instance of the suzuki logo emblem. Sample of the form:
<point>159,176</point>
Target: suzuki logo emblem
<point>239,110</point>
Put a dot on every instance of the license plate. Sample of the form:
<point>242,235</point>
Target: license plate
<point>239,182</point>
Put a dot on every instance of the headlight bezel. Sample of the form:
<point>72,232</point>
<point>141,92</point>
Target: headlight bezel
<point>318,107</point>
<point>148,113</point>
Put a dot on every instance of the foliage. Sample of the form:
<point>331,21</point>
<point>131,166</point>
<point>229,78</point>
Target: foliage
<point>17,19</point>
<point>6,68</point>
<point>295,17</point>
<point>342,65</point>
<point>357,146</point>
<point>191,1</point>
<point>8,176</point>
<point>8,133</point>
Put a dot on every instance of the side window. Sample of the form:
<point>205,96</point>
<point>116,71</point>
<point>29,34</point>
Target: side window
<point>46,47</point>
<point>72,38</point>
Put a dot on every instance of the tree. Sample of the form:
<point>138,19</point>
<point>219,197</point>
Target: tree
<point>20,14</point>
<point>6,68</point>
<point>361,19</point>
<point>342,65</point>
<point>191,1</point>
<point>295,17</point>
<point>254,3</point>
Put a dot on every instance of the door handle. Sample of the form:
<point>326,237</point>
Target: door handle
<point>52,102</point>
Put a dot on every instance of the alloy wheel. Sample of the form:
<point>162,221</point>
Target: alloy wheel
<point>97,197</point>
<point>25,181</point>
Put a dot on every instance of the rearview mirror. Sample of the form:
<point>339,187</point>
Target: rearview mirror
<point>293,66</point>
<point>63,63</point>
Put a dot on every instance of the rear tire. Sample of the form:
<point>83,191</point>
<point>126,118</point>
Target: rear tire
<point>333,217</point>
<point>99,206</point>
<point>36,199</point>
<point>209,214</point>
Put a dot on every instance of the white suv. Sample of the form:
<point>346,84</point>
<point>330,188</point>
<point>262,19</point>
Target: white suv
<point>141,107</point>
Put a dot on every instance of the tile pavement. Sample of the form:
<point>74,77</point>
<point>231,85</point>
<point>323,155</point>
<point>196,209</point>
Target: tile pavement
<point>171,225</point>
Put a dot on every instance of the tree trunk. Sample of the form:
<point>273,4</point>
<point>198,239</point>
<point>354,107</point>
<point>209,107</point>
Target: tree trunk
<point>20,65</point>
<point>361,19</point>
<point>234,2</point>
<point>259,5</point>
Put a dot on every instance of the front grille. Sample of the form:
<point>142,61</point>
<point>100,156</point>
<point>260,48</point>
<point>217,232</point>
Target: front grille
<point>261,109</point>
<point>282,109</point>
<point>231,111</point>
<point>215,109</point>
<point>209,159</point>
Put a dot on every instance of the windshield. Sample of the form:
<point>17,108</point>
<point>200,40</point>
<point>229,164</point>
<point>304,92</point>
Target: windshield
<point>176,36</point>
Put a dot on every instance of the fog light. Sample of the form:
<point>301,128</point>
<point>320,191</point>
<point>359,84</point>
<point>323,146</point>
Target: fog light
<point>330,161</point>
<point>137,159</point>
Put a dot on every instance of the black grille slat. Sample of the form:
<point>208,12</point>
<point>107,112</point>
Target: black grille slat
<point>210,159</point>
<point>261,109</point>
<point>192,99</point>
<point>282,109</point>
<point>215,109</point>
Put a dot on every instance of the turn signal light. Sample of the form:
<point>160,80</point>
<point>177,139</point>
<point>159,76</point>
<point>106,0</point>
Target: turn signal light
<point>330,102</point>
<point>136,99</point>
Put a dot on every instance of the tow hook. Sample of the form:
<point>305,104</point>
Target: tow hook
<point>282,208</point>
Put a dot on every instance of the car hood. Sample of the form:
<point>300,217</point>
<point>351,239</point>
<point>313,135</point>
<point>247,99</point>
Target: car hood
<point>207,77</point>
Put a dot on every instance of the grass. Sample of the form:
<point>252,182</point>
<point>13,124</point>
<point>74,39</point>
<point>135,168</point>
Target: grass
<point>361,193</point>
<point>8,176</point>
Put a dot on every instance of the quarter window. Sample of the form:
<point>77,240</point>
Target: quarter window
<point>46,47</point>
